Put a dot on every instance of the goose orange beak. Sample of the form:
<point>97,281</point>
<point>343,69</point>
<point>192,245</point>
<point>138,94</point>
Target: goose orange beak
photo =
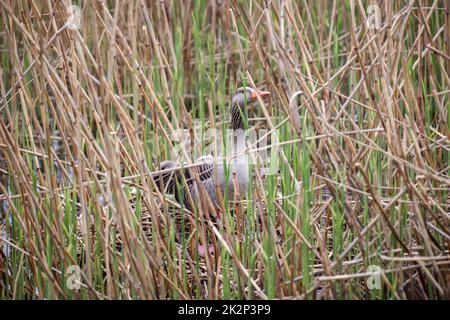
<point>262,94</point>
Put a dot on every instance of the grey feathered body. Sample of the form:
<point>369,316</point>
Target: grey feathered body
<point>214,176</point>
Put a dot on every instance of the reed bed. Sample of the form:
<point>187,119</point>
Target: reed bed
<point>357,208</point>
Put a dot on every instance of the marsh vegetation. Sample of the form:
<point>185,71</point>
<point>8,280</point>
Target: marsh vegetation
<point>90,102</point>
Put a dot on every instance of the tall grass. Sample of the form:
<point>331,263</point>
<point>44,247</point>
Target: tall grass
<point>88,114</point>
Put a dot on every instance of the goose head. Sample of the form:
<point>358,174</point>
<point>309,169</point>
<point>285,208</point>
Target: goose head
<point>243,97</point>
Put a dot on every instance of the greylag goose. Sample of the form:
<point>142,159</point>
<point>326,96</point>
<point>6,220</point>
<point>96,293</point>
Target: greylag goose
<point>211,173</point>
